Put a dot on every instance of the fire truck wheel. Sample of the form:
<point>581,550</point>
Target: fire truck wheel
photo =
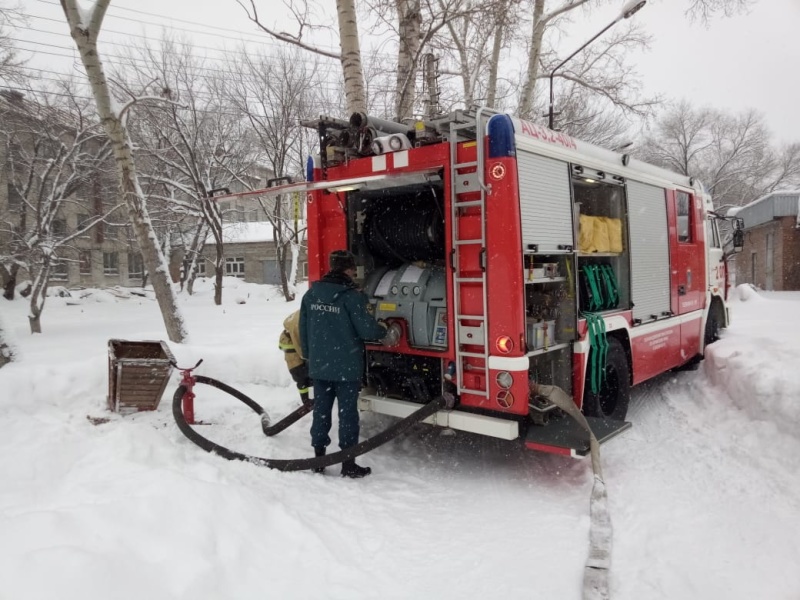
<point>714,324</point>
<point>611,402</point>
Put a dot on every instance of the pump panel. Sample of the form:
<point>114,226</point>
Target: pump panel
<point>417,296</point>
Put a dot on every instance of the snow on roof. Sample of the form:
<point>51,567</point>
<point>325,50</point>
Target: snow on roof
<point>781,203</point>
<point>248,232</point>
<point>770,195</point>
<point>241,233</point>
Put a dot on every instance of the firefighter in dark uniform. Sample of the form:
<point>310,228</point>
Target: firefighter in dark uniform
<point>334,323</point>
<point>289,343</point>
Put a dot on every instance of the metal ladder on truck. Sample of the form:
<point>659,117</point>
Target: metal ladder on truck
<point>463,184</point>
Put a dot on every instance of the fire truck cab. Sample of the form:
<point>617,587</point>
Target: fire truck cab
<point>513,259</point>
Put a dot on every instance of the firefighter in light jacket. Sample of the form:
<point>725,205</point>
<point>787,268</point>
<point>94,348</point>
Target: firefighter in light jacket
<point>289,343</point>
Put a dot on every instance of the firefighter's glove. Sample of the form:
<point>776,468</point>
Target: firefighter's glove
<point>392,337</point>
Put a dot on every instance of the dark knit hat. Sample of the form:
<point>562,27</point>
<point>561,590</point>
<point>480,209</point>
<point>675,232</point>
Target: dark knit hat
<point>341,260</point>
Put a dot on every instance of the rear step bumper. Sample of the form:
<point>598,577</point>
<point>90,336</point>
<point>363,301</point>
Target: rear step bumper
<point>454,419</point>
<point>565,436</point>
<point>561,435</point>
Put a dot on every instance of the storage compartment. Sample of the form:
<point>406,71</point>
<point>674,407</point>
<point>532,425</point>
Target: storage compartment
<point>549,300</point>
<point>138,372</point>
<point>536,270</point>
<point>416,378</point>
<point>541,334</point>
<point>603,269</point>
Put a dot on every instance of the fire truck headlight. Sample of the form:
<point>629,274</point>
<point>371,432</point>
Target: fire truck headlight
<point>504,379</point>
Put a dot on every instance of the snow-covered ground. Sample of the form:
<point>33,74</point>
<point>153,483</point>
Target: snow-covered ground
<point>704,491</point>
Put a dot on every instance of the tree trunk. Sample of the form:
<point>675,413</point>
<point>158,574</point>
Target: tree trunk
<point>351,56</point>
<point>195,250</point>
<point>535,53</point>
<point>10,281</point>
<point>219,272</point>
<point>6,350</point>
<point>497,45</point>
<point>38,297</point>
<point>409,18</point>
<point>85,36</point>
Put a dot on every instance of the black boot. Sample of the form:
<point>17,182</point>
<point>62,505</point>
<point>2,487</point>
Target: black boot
<point>353,471</point>
<point>319,452</point>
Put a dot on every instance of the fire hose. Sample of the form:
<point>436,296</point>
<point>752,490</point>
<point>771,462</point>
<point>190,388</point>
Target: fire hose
<point>296,464</point>
<point>596,570</point>
<point>598,563</point>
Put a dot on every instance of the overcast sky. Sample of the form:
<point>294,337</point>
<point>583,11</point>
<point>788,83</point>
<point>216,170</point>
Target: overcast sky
<point>746,61</point>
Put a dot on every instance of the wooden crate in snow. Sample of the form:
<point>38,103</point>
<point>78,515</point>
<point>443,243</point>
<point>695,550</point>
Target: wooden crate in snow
<point>138,372</point>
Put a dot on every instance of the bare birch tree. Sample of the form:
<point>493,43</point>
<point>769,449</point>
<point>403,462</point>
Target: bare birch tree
<point>53,149</point>
<point>731,154</point>
<point>705,10</point>
<point>85,25</point>
<point>194,144</point>
<point>10,15</point>
<point>349,43</point>
<point>272,91</point>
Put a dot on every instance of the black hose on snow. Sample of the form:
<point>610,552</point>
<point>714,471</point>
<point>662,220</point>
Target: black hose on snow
<point>298,464</point>
<point>290,419</point>
<point>229,390</point>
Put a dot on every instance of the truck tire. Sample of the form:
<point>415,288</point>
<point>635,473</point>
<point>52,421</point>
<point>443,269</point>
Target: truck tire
<point>614,396</point>
<point>714,324</point>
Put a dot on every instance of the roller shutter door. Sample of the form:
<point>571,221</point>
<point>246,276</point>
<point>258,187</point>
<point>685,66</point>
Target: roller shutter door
<point>650,277</point>
<point>545,202</point>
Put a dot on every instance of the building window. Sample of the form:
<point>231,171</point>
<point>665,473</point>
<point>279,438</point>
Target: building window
<point>753,269</point>
<point>83,221</point>
<point>110,263</point>
<point>14,198</point>
<point>234,267</point>
<point>201,267</point>
<point>135,266</point>
<point>59,271</point>
<point>112,233</point>
<point>305,270</point>
<point>59,228</point>
<point>684,217</point>
<point>85,261</point>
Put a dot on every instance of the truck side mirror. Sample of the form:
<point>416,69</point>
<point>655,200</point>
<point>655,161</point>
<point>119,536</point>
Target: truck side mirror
<point>738,240</point>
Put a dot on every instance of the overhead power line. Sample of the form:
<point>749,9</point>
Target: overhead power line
<point>237,32</point>
<point>127,61</point>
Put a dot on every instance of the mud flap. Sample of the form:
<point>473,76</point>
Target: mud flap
<point>565,436</point>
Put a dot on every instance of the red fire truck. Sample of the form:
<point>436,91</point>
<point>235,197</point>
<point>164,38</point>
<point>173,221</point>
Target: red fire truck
<point>513,260</point>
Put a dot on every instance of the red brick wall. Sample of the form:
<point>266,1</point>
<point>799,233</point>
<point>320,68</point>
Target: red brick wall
<point>786,255</point>
<point>791,254</point>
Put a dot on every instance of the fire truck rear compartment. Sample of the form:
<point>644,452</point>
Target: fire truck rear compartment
<point>398,234</point>
<point>405,376</point>
<point>393,226</point>
<point>556,286</point>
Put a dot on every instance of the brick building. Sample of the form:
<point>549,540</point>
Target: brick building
<point>771,256</point>
<point>106,254</point>
<point>249,249</point>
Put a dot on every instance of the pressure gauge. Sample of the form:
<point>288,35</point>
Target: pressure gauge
<point>416,290</point>
<point>405,290</point>
<point>394,290</point>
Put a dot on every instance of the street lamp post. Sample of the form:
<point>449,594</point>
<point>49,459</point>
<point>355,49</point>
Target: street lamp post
<point>628,10</point>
